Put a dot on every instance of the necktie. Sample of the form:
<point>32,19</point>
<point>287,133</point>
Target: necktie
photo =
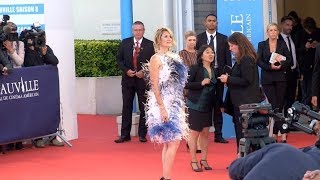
<point>135,56</point>
<point>289,42</point>
<point>290,49</point>
<point>211,42</point>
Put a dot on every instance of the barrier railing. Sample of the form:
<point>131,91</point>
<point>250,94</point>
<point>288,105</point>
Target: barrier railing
<point>29,104</point>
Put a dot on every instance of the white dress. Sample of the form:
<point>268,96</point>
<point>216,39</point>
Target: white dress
<point>172,79</point>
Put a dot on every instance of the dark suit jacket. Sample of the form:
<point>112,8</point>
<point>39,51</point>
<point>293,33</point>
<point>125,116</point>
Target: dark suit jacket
<point>243,83</point>
<point>297,70</point>
<point>196,75</point>
<point>223,54</point>
<point>316,74</point>
<point>223,57</point>
<point>306,56</point>
<point>269,75</point>
<point>125,56</point>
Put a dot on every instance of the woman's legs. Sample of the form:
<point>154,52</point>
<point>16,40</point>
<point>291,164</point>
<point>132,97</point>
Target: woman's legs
<point>193,139</point>
<point>168,156</point>
<point>204,138</point>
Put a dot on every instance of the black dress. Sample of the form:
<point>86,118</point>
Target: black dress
<point>200,99</point>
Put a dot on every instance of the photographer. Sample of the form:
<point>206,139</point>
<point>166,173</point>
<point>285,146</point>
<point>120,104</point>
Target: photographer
<point>13,52</point>
<point>37,54</point>
<point>278,161</point>
<point>5,65</point>
<point>13,47</point>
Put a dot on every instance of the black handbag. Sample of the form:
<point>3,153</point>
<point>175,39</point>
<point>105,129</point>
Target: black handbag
<point>227,104</point>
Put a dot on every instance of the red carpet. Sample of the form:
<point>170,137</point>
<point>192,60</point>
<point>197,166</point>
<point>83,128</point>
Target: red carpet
<point>94,156</point>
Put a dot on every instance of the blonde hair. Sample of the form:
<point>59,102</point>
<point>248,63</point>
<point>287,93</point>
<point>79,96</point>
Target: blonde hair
<point>188,34</point>
<point>157,37</point>
<point>272,24</point>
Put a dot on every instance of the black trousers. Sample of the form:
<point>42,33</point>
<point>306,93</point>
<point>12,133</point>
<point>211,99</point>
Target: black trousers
<point>237,125</point>
<point>291,92</point>
<point>217,115</point>
<point>128,93</point>
<point>275,93</point>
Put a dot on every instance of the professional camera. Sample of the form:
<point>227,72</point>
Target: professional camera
<point>6,31</point>
<point>35,34</point>
<point>254,120</point>
<point>9,33</point>
<point>254,116</point>
<point>4,21</point>
<point>299,109</point>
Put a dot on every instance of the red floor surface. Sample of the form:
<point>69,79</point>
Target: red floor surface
<point>94,156</point>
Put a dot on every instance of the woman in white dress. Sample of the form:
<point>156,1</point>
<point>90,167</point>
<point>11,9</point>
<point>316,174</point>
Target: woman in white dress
<point>165,109</point>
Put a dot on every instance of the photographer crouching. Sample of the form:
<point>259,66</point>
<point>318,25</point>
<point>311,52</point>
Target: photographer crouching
<point>37,53</point>
<point>279,161</point>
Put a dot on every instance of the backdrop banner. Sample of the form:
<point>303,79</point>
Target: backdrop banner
<point>29,103</point>
<point>245,16</point>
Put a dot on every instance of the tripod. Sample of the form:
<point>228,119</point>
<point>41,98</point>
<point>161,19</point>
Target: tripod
<point>254,139</point>
<point>60,131</point>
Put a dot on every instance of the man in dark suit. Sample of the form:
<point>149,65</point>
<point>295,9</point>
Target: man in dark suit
<point>222,58</point>
<point>133,52</point>
<point>292,74</point>
<point>316,79</point>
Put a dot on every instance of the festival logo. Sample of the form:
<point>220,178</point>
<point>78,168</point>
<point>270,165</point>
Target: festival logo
<point>19,89</point>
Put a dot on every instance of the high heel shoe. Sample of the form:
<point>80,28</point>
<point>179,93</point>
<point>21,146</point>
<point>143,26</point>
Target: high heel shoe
<point>205,165</point>
<point>197,169</point>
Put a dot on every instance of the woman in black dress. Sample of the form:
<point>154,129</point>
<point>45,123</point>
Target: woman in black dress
<point>200,99</point>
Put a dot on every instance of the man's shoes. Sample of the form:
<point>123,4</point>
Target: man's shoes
<point>220,140</point>
<point>39,143</point>
<point>55,142</point>
<point>122,139</point>
<point>142,139</point>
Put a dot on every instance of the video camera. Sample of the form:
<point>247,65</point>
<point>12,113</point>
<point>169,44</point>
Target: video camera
<point>7,31</point>
<point>255,116</point>
<point>294,115</point>
<point>35,34</point>
<point>5,19</point>
<point>254,120</point>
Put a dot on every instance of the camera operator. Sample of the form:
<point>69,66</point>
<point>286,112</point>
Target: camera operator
<point>37,54</point>
<point>278,161</point>
<point>13,51</point>
<point>13,47</point>
<point>5,65</point>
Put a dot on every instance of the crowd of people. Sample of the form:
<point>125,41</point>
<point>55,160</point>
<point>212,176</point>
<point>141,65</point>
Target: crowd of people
<point>19,52</point>
<point>181,95</point>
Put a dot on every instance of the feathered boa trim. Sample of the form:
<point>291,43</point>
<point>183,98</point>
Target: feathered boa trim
<point>171,89</point>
